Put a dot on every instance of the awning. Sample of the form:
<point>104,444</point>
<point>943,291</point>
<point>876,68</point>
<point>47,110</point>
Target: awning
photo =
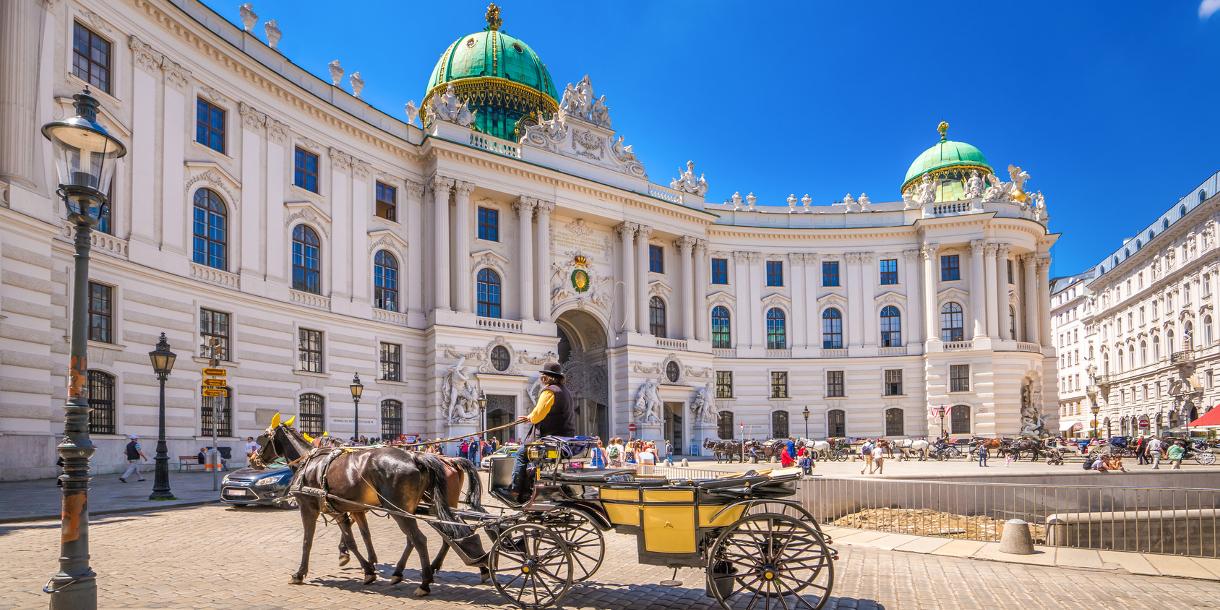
<point>1069,425</point>
<point>1211,419</point>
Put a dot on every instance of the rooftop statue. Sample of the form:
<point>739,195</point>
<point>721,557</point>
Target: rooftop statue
<point>578,102</point>
<point>974,185</point>
<point>792,203</point>
<point>687,183</point>
<point>447,107</point>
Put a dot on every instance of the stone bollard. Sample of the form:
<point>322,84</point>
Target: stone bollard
<point>685,464</point>
<point>1015,539</point>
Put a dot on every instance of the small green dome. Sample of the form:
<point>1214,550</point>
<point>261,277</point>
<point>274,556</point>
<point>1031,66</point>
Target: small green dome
<point>499,76</point>
<point>945,154</point>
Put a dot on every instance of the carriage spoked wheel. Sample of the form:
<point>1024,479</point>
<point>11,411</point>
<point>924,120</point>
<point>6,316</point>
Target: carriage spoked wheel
<point>585,541</point>
<point>788,509</point>
<point>770,560</point>
<point>531,566</point>
<point>1206,458</point>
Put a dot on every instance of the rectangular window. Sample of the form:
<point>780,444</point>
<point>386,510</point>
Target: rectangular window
<point>724,384</point>
<point>830,273</point>
<point>210,125</point>
<point>215,324</point>
<point>959,378</point>
<point>779,384</point>
<point>489,224</point>
<point>305,170</point>
<point>834,384</point>
<point>889,271</point>
<point>656,259</point>
<point>893,382</point>
<point>950,268</point>
<point>720,271</point>
<point>1008,263</point>
<point>101,313</point>
<point>775,273</point>
<point>387,202</point>
<point>91,57</point>
<point>309,351</point>
<point>391,362</point>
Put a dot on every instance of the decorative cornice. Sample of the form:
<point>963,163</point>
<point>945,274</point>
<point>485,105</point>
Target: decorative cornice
<point>143,54</point>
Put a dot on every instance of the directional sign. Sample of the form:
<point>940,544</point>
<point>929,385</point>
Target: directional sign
<point>215,372</point>
<point>215,392</point>
<point>213,382</point>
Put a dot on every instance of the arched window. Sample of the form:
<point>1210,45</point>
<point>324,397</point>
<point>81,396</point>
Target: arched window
<point>1207,331</point>
<point>656,317</point>
<point>891,327</point>
<point>487,286</point>
<point>311,418</point>
<point>1182,210</point>
<point>1131,358</point>
<point>832,329</point>
<point>722,334</point>
<point>779,425</point>
<point>777,330</point>
<point>1105,363</point>
<point>1012,321</point>
<point>724,425</point>
<point>306,260</point>
<point>959,419</point>
<point>1169,342</point>
<point>1188,335</point>
<point>894,425</point>
<point>211,235</point>
<point>1164,223</point>
<point>391,419</point>
<point>101,401</point>
<point>1118,363</point>
<point>1156,348</point>
<point>1202,195</point>
<point>951,322</point>
<point>1143,353</point>
<point>385,281</point>
<point>836,423</point>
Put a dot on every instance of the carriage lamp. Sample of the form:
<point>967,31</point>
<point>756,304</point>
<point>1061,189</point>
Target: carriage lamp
<point>85,155</point>
<point>162,363</point>
<point>357,389</point>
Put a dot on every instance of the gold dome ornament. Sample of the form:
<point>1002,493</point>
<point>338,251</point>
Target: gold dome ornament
<point>493,17</point>
<point>943,128</point>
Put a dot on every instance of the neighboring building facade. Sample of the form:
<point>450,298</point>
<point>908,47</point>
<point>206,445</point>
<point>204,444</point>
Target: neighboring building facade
<point>1069,307</point>
<point>1151,321</point>
<point>314,237</point>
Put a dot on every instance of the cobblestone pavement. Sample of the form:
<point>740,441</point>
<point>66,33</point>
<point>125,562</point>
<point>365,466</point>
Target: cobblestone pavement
<point>219,557</point>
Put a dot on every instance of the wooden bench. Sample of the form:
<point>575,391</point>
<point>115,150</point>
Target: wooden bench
<point>187,462</point>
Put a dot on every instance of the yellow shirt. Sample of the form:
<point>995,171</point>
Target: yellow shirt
<point>545,399</point>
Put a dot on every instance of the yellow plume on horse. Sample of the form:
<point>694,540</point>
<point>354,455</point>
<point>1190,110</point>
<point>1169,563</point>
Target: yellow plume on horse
<point>275,420</point>
<point>289,421</point>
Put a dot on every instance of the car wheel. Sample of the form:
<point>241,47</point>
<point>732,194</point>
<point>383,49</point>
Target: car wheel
<point>239,505</point>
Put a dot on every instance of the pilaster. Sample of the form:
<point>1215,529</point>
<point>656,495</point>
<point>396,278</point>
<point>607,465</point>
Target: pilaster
<point>440,240</point>
<point>542,274</point>
<point>977,296</point>
<point>626,233</point>
<point>525,248</point>
<point>700,295</point>
<point>642,235</point>
<point>173,203</point>
<point>686,303</point>
<point>461,245</point>
<point>252,269</point>
<point>414,192</point>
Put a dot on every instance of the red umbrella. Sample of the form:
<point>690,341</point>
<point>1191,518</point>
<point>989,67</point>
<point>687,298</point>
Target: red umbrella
<point>1211,419</point>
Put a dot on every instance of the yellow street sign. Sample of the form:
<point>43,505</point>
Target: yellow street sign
<point>215,372</point>
<point>212,381</point>
<point>214,392</point>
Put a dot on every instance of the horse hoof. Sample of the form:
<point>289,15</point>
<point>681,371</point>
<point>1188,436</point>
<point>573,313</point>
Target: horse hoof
<point>343,559</point>
<point>296,580</point>
<point>395,579</point>
<point>422,591</point>
<point>369,578</point>
<point>484,575</point>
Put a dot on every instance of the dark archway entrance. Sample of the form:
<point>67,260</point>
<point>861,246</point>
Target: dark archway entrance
<point>582,352</point>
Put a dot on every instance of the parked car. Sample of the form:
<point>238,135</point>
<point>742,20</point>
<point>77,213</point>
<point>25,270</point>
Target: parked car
<point>258,486</point>
<point>505,451</point>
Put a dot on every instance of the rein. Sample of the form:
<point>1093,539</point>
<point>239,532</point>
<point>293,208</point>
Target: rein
<point>454,438</point>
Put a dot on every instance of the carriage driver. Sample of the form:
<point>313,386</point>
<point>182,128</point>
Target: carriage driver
<point>552,416</point>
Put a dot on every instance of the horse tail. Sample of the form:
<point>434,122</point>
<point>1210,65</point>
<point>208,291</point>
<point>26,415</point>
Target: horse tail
<point>474,485</point>
<point>434,468</point>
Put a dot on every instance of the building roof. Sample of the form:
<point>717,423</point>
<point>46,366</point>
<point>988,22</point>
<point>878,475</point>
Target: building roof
<point>945,154</point>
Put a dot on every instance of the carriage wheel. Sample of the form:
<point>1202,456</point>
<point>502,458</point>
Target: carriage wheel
<point>787,509</point>
<point>530,566</point>
<point>585,541</point>
<point>774,559</point>
<point>1206,458</point>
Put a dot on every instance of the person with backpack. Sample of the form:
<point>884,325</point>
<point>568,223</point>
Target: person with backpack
<point>615,452</point>
<point>134,456</point>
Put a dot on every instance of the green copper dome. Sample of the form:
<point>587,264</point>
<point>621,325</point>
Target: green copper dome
<point>499,76</point>
<point>944,155</point>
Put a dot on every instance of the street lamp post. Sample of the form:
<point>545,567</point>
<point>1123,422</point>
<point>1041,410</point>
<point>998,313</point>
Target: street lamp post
<point>482,417</point>
<point>84,155</point>
<point>1095,409</point>
<point>806,414</point>
<point>162,362</point>
<point>357,389</point>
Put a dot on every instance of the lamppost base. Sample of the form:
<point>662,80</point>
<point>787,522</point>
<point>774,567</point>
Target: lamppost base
<point>73,592</point>
<point>158,496</point>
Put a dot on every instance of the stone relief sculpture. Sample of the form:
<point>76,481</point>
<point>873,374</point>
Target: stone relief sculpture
<point>460,394</point>
<point>1032,423</point>
<point>702,407</point>
<point>687,183</point>
<point>648,403</point>
<point>560,135</point>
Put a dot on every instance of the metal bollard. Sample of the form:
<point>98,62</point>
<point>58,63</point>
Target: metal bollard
<point>1016,539</point>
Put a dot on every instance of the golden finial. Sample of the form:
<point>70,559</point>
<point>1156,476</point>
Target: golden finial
<point>493,17</point>
<point>943,128</point>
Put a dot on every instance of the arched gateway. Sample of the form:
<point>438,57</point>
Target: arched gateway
<point>582,353</point>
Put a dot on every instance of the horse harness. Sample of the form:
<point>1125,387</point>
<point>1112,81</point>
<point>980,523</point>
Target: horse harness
<point>322,493</point>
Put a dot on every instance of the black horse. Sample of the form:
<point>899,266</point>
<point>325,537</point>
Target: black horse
<point>388,478</point>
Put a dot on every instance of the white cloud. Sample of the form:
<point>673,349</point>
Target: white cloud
<point>1207,8</point>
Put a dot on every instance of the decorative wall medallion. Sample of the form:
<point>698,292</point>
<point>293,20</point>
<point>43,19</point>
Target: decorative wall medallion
<point>580,280</point>
<point>673,371</point>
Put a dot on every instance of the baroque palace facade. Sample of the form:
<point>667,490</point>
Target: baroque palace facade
<point>503,224</point>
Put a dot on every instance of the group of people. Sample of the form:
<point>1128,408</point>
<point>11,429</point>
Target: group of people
<point>873,455</point>
<point>790,454</point>
<point>1150,450</point>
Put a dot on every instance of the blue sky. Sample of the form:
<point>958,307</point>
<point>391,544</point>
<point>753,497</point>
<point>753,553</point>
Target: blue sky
<point>1112,107</point>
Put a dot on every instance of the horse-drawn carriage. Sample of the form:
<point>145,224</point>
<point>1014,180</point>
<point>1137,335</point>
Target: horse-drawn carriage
<point>756,546</point>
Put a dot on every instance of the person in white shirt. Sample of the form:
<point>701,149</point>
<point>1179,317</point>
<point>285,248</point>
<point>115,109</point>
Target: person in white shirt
<point>1154,451</point>
<point>878,459</point>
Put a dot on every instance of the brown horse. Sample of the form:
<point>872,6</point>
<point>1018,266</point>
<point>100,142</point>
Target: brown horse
<point>388,478</point>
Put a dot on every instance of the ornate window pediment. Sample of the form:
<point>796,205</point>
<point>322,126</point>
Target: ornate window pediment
<point>385,238</point>
<point>952,294</point>
<point>309,212</point>
<point>657,288</point>
<point>214,176</point>
<point>722,297</point>
<point>832,300</point>
<point>890,297</point>
<point>776,299</point>
<point>490,258</point>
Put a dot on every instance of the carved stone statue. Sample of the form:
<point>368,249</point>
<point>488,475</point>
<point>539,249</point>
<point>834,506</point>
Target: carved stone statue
<point>648,403</point>
<point>791,203</point>
<point>1019,178</point>
<point>805,201</point>
<point>849,202</point>
<point>460,394</point>
<point>600,114</point>
<point>925,191</point>
<point>273,32</point>
<point>997,190</point>
<point>750,201</point>
<point>736,200</point>
<point>412,111</point>
<point>336,72</point>
<point>863,201</point>
<point>974,185</point>
<point>357,83</point>
<point>703,407</point>
<point>248,16</point>
<point>1032,423</point>
<point>578,102</point>
<point>447,107</point>
<point>688,183</point>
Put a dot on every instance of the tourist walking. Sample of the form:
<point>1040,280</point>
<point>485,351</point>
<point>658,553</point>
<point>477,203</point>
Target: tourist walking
<point>982,449</point>
<point>805,460</point>
<point>1154,451</point>
<point>614,453</point>
<point>134,456</point>
<point>866,454</point>
<point>598,460</point>
<point>878,459</point>
<point>1141,450</point>
<point>1176,452</point>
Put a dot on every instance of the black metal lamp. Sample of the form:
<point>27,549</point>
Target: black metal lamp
<point>483,414</point>
<point>357,390</point>
<point>163,363</point>
<point>805,412</point>
<point>85,155</point>
<point>162,358</point>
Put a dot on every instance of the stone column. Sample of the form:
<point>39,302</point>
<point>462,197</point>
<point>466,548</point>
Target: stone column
<point>700,293</point>
<point>525,248</point>
<point>928,252</point>
<point>642,234</point>
<point>813,278</point>
<point>868,293</point>
<point>991,270</point>
<point>414,192</point>
<point>913,327</point>
<point>142,150</point>
<point>542,275</point>
<point>362,210</point>
<point>277,233</point>
<point>440,240</point>
<point>21,27</point>
<point>461,245</point>
<point>978,298</point>
<point>1002,287</point>
<point>1044,300</point>
<point>757,322</point>
<point>855,300</point>
<point>686,303</point>
<point>341,226</point>
<point>173,141</point>
<point>796,330</point>
<point>1028,262</point>
<point>252,232</point>
<point>626,232</point>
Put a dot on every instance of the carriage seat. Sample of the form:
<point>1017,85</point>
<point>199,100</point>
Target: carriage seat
<point>595,476</point>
